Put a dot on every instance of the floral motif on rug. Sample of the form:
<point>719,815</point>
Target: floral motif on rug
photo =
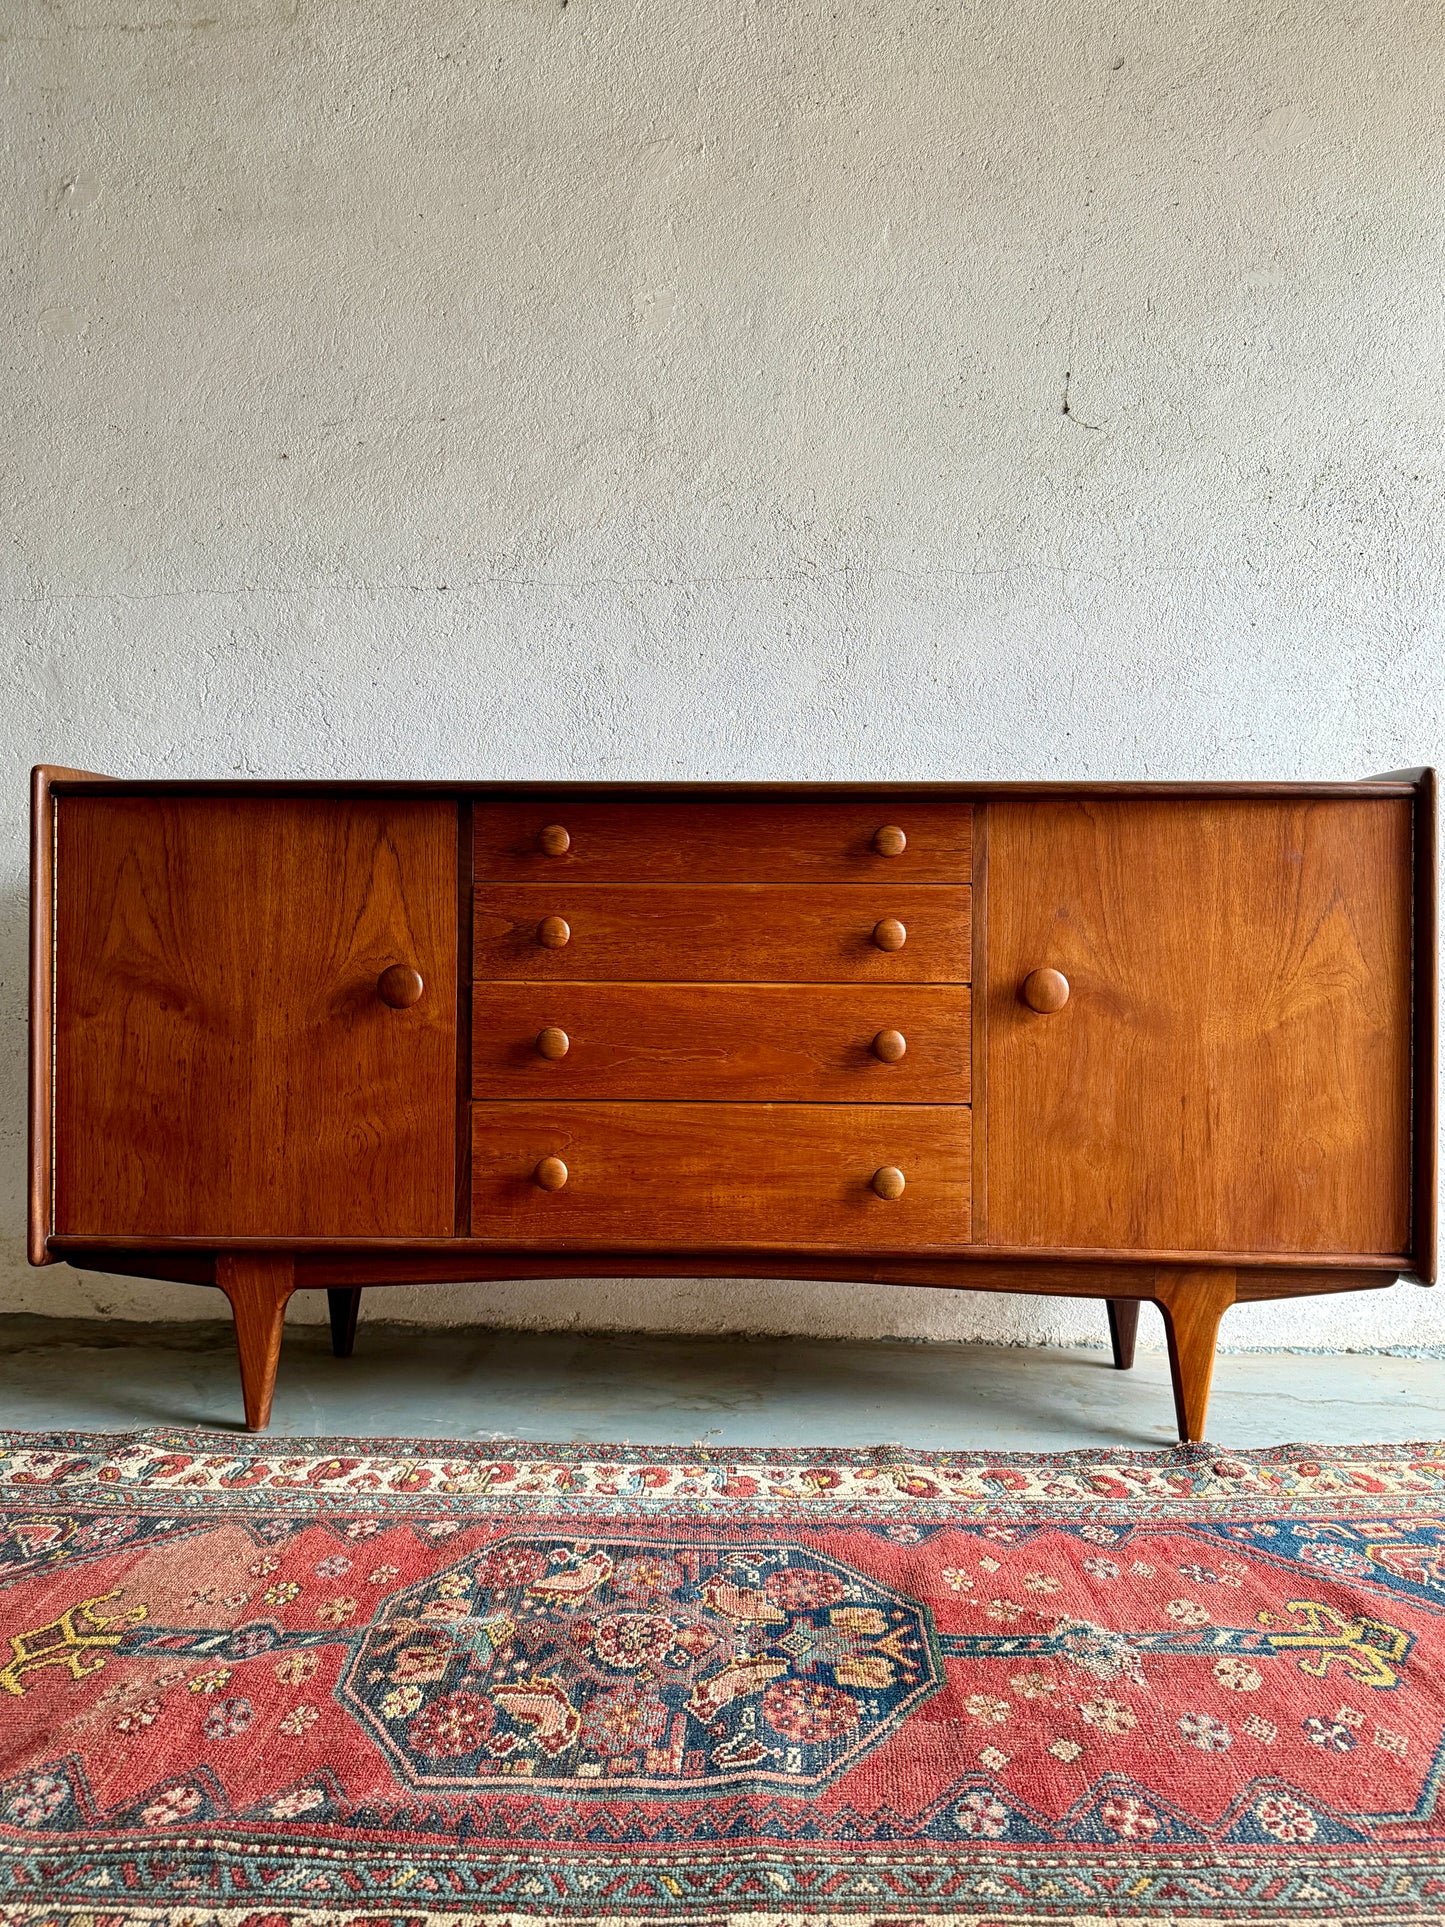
<point>258,1682</point>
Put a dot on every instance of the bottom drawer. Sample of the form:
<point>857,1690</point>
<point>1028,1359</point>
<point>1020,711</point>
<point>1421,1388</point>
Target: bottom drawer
<point>708,1174</point>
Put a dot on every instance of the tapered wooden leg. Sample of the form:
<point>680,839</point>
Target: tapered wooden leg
<point>1123,1328</point>
<point>344,1303</point>
<point>1193,1302</point>
<point>258,1287</point>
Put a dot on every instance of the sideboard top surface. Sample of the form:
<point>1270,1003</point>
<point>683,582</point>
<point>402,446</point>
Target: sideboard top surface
<point>60,780</point>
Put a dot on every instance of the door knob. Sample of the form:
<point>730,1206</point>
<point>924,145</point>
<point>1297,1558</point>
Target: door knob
<point>400,986</point>
<point>1046,990</point>
<point>553,1043</point>
<point>890,840</point>
<point>889,1046</point>
<point>553,933</point>
<point>554,840</point>
<point>889,1182</point>
<point>551,1174</point>
<point>889,934</point>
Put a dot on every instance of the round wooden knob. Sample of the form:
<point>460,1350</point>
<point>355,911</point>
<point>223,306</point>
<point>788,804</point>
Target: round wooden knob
<point>553,932</point>
<point>889,1046</point>
<point>551,1174</point>
<point>889,1182</point>
<point>1046,990</point>
<point>889,934</point>
<point>554,840</point>
<point>553,1043</point>
<point>890,840</point>
<point>400,986</point>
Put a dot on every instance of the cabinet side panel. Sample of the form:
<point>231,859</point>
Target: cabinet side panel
<point>42,1003</point>
<point>1425,1239</point>
<point>1232,1068</point>
<point>224,1064</point>
<point>42,1013</point>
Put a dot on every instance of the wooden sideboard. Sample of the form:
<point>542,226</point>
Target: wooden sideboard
<point>1169,1042</point>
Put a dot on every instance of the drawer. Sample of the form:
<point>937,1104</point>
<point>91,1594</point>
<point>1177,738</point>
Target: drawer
<point>806,1043</point>
<point>720,933</point>
<point>817,841</point>
<point>736,1174</point>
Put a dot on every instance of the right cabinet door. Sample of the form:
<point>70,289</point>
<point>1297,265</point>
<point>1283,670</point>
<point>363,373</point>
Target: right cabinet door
<point>1231,1068</point>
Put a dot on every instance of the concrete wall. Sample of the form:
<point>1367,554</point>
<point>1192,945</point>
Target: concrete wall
<point>596,388</point>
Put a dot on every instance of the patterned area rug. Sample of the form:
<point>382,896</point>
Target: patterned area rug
<point>261,1681</point>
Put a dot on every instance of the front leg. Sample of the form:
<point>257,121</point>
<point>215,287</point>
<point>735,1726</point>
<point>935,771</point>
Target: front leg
<point>258,1285</point>
<point>1193,1301</point>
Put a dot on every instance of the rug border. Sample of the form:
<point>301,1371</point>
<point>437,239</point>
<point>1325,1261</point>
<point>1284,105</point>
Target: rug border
<point>885,1452</point>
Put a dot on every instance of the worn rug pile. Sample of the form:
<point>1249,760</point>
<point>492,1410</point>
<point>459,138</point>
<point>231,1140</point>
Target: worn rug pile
<point>267,1682</point>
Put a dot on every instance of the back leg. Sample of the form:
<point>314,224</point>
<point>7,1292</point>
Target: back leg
<point>344,1302</point>
<point>1123,1326</point>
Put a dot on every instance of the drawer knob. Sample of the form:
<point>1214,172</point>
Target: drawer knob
<point>890,840</point>
<point>889,1182</point>
<point>554,840</point>
<point>553,1043</point>
<point>551,1174</point>
<point>889,934</point>
<point>889,1046</point>
<point>400,986</point>
<point>553,933</point>
<point>1046,990</point>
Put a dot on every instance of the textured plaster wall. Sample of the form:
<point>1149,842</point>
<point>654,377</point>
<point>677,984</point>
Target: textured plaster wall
<point>570,387</point>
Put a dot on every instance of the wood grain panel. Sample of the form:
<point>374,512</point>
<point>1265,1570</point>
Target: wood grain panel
<point>720,841</point>
<point>760,1042</point>
<point>224,1065</point>
<point>1232,1068</point>
<point>721,933</point>
<point>790,1174</point>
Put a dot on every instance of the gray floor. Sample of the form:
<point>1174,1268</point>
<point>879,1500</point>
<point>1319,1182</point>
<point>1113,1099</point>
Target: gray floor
<point>406,1381</point>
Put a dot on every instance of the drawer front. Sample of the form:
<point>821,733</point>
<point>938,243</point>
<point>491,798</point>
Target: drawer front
<point>810,1043</point>
<point>719,842</point>
<point>710,1174</point>
<point>720,933</point>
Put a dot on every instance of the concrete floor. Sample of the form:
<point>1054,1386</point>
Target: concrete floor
<point>411,1381</point>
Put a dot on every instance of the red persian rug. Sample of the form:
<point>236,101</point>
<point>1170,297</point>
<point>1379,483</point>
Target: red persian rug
<point>260,1682</point>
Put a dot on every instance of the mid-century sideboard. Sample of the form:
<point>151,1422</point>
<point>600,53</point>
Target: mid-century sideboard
<point>1171,1042</point>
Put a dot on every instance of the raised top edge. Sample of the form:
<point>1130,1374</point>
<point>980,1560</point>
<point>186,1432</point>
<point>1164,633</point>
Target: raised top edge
<point>62,780</point>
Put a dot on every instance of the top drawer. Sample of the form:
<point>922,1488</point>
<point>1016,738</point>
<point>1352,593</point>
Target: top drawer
<point>722,842</point>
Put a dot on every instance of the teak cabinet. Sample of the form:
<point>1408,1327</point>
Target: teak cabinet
<point>1164,1042</point>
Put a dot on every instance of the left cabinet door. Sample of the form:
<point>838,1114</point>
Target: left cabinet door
<point>225,1063</point>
